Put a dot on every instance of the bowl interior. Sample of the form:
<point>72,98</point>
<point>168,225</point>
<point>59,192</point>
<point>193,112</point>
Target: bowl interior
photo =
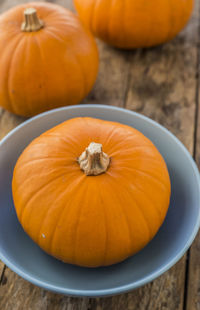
<point>19,252</point>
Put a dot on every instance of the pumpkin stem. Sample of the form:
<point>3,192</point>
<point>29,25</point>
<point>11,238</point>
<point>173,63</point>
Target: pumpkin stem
<point>32,22</point>
<point>93,161</point>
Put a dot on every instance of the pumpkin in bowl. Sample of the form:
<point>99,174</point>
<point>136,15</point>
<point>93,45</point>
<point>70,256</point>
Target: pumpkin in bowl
<point>134,23</point>
<point>91,192</point>
<point>48,59</point>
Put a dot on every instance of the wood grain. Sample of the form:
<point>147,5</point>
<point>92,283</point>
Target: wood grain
<point>160,83</point>
<point>112,81</point>
<point>193,285</point>
<point>2,266</point>
<point>18,294</point>
<point>8,121</point>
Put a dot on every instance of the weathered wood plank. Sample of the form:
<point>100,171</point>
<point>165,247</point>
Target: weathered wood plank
<point>18,294</point>
<point>1,270</point>
<point>8,121</point>
<point>163,83</point>
<point>111,84</point>
<point>162,86</point>
<point>193,286</point>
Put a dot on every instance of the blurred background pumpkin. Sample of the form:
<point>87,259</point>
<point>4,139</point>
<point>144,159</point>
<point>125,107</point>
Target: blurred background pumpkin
<point>47,58</point>
<point>134,23</point>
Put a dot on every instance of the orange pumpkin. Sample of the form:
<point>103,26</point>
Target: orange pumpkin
<point>47,58</point>
<point>134,23</point>
<point>91,192</point>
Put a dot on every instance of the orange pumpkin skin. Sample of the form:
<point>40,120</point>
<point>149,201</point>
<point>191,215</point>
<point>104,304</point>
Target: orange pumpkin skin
<point>47,68</point>
<point>91,220</point>
<point>134,23</point>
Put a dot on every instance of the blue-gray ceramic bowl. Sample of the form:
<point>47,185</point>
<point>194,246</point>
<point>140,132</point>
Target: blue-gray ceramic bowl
<point>24,257</point>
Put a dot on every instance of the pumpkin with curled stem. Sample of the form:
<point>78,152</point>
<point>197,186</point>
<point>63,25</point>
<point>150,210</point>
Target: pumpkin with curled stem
<point>48,59</point>
<point>91,192</point>
<point>134,23</point>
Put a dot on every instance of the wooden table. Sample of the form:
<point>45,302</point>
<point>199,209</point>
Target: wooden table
<point>162,83</point>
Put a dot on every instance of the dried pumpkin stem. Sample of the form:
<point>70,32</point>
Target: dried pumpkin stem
<point>93,161</point>
<point>32,22</point>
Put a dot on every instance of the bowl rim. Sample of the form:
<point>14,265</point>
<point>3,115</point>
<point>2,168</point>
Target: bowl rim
<point>127,287</point>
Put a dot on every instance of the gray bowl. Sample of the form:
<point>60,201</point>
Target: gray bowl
<point>24,257</point>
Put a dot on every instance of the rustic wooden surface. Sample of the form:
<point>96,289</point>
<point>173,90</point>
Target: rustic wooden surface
<point>193,300</point>
<point>162,83</point>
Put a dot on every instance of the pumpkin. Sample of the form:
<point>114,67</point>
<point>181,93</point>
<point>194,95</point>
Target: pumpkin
<point>47,58</point>
<point>91,192</point>
<point>134,23</point>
